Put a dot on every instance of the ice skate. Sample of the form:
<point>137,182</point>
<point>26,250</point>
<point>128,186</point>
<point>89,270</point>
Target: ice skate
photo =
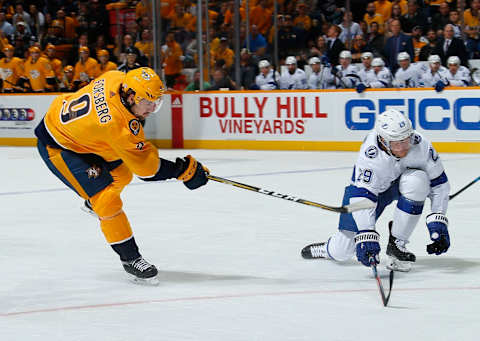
<point>400,259</point>
<point>315,250</point>
<point>87,207</point>
<point>141,271</point>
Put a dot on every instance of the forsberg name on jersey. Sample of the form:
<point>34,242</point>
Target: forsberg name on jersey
<point>101,105</point>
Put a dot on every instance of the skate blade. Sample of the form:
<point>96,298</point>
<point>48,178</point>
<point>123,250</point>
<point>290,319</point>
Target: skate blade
<point>397,265</point>
<point>152,282</point>
<point>89,211</point>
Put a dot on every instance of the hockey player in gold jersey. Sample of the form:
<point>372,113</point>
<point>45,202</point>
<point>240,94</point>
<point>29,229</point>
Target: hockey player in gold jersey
<point>94,142</point>
<point>104,64</point>
<point>12,73</point>
<point>85,68</point>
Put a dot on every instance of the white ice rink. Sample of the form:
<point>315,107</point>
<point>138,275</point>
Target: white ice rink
<point>229,259</point>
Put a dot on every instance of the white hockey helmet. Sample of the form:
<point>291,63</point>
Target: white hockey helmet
<point>291,60</point>
<point>314,60</point>
<point>392,125</point>
<point>434,58</point>
<point>378,62</point>
<point>346,54</point>
<point>367,55</point>
<point>453,60</point>
<point>263,63</point>
<point>403,56</point>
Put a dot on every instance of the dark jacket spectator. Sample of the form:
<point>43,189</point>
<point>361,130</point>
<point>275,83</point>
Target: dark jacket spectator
<point>397,43</point>
<point>427,50</point>
<point>376,40</point>
<point>414,17</point>
<point>334,44</point>
<point>451,46</point>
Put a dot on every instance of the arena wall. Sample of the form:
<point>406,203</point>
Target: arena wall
<point>280,120</point>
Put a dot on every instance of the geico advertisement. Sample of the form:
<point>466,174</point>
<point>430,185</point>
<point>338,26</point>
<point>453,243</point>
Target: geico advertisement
<point>328,116</point>
<point>19,114</point>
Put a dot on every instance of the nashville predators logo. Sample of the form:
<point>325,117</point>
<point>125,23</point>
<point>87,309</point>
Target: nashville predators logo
<point>134,126</point>
<point>93,172</point>
<point>146,75</point>
<point>34,74</point>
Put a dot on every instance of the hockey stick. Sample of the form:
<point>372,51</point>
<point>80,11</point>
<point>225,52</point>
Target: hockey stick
<point>463,188</point>
<point>386,298</point>
<point>361,205</point>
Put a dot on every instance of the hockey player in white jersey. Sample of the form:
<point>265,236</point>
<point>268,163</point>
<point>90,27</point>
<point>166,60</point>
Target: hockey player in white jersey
<point>346,76</point>
<point>267,79</point>
<point>407,75</point>
<point>321,76</point>
<point>366,73</point>
<point>394,163</point>
<point>294,78</point>
<point>435,76</point>
<point>381,77</point>
<point>457,75</point>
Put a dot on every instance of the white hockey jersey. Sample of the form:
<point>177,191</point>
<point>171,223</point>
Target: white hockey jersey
<point>268,82</point>
<point>409,77</point>
<point>382,79</point>
<point>297,80</point>
<point>322,80</point>
<point>375,171</point>
<point>366,76</point>
<point>429,79</point>
<point>346,78</point>
<point>460,78</point>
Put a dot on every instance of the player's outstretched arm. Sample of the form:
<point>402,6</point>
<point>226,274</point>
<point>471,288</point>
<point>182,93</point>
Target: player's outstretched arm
<point>187,169</point>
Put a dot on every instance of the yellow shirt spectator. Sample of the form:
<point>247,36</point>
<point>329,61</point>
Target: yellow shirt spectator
<point>383,7</point>
<point>472,22</point>
<point>171,53</point>
<point>224,52</point>
<point>261,16</point>
<point>378,18</point>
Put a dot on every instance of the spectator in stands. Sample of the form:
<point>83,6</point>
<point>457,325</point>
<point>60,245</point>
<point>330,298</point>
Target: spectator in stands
<point>38,71</point>
<point>371,16</point>
<point>471,18</point>
<point>294,78</point>
<point>349,28</point>
<point>427,50</point>
<point>398,42</point>
<point>383,7</point>
<point>258,44</point>
<point>417,42</point>
<point>195,84</point>
<point>450,46</point>
<point>442,17</point>
<point>131,62</point>
<point>69,25</point>
<point>376,40</point>
<point>408,75</point>
<point>22,32</point>
<point>21,15</point>
<point>413,18</point>
<point>268,78</point>
<point>12,73</point>
<point>334,45</point>
<point>66,82</point>
<point>104,64</point>
<point>320,49</point>
<point>403,4</point>
<point>224,53</point>
<point>397,12</point>
<point>261,16</point>
<point>5,26</point>
<point>248,69</point>
<point>435,76</point>
<point>85,68</point>
<point>55,63</point>
<point>97,17</point>
<point>145,45</point>
<point>359,46</point>
<point>302,20</point>
<point>54,34</point>
<point>222,81</point>
<point>456,22</point>
<point>287,37</point>
<point>38,22</point>
<point>172,56</point>
<point>457,75</point>
<point>346,75</point>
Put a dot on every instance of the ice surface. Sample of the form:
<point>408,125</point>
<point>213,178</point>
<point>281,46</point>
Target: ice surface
<point>229,259</point>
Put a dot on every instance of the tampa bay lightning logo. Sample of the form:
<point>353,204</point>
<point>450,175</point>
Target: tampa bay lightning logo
<point>417,139</point>
<point>371,152</point>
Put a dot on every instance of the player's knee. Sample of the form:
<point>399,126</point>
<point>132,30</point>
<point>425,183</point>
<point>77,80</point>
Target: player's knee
<point>415,185</point>
<point>122,176</point>
<point>107,203</point>
<point>341,246</point>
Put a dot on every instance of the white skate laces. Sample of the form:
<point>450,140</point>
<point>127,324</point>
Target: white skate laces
<point>140,264</point>
<point>319,250</point>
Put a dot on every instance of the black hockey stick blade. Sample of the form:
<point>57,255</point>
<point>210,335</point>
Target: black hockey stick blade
<point>463,188</point>
<point>360,205</point>
<point>385,298</point>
